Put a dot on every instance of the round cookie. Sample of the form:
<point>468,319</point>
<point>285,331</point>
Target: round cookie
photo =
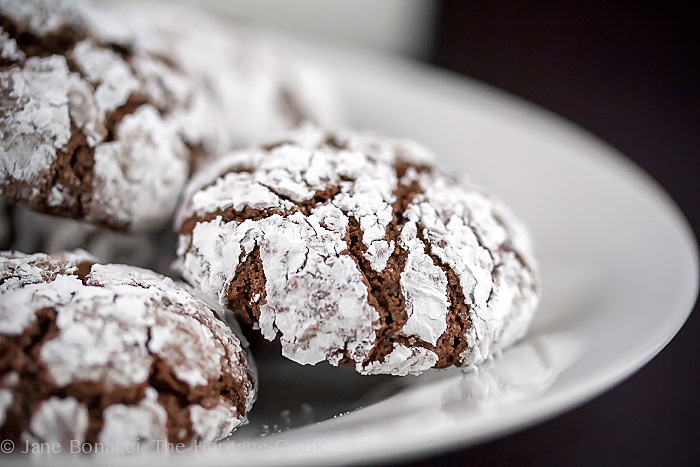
<point>90,129</point>
<point>354,249</point>
<point>258,89</point>
<point>113,354</point>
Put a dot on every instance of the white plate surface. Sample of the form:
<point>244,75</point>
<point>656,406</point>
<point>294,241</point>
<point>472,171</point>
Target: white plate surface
<point>619,268</point>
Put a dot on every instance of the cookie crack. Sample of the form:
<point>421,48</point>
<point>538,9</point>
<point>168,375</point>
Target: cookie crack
<point>305,207</point>
<point>230,214</point>
<point>72,172</point>
<point>176,396</point>
<point>21,354</point>
<point>384,287</point>
<point>494,261</point>
<point>114,118</point>
<point>59,42</point>
<point>246,292</point>
<point>73,169</point>
<point>453,342</point>
<point>402,166</point>
<point>508,247</point>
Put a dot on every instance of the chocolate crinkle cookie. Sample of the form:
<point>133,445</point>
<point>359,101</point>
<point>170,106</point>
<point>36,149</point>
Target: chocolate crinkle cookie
<point>355,249</point>
<point>258,88</point>
<point>113,354</point>
<point>91,129</point>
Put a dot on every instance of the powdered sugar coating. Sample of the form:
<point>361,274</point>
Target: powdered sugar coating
<point>35,121</point>
<point>143,424</point>
<point>301,168</point>
<point>93,131</point>
<point>465,230</point>
<point>141,174</point>
<point>306,275</point>
<point>114,326</point>
<point>8,48</point>
<point>214,424</point>
<point>403,361</point>
<point>41,17</point>
<point>296,204</point>
<point>58,421</point>
<point>98,341</point>
<point>7,398</point>
<point>258,89</point>
<point>106,70</point>
<point>424,287</point>
<point>19,287</point>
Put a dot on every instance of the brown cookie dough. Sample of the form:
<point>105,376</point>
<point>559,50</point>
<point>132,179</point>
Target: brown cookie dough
<point>90,129</point>
<point>354,249</point>
<point>113,354</point>
<point>258,88</point>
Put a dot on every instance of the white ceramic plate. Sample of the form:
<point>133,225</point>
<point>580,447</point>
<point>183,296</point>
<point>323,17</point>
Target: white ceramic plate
<point>619,267</point>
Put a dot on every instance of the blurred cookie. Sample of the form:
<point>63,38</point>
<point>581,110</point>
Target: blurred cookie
<point>258,89</point>
<point>354,249</point>
<point>90,129</point>
<point>113,354</point>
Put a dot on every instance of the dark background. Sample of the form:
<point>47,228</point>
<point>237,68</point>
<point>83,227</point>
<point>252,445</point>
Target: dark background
<point>630,74</point>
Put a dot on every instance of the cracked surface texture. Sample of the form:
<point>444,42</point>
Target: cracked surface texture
<point>354,249</point>
<point>256,88</point>
<point>91,129</point>
<point>112,353</point>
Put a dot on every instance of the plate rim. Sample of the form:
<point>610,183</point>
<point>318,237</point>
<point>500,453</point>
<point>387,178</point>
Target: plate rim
<point>549,405</point>
<point>622,167</point>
